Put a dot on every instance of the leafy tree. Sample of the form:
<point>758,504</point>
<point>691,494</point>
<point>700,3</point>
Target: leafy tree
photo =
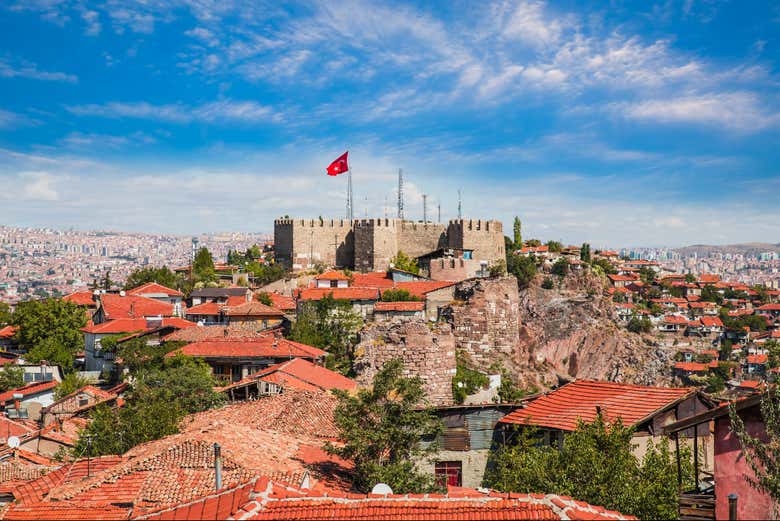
<point>561,267</point>
<point>381,429</point>
<point>554,246</point>
<point>264,298</point>
<point>203,267</point>
<point>594,464</point>
<point>517,234</point>
<point>265,273</point>
<point>106,282</point>
<point>605,265</point>
<point>639,325</point>
<point>71,382</point>
<point>710,293</point>
<point>763,457</point>
<point>162,275</point>
<point>11,377</point>
<point>533,242</point>
<point>398,295</point>
<point>403,262</point>
<point>726,347</point>
<point>497,268</point>
<point>139,357</point>
<point>585,252</point>
<point>647,275</point>
<point>158,400</point>
<point>331,325</point>
<point>467,380</point>
<point>49,330</point>
<point>548,283</point>
<point>5,314</point>
<point>522,267</point>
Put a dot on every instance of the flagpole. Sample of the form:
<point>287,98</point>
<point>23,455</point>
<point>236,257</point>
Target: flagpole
<point>350,202</point>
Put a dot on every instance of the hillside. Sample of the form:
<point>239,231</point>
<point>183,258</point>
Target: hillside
<point>748,248</point>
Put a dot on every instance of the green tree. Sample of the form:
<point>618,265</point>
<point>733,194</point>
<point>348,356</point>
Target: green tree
<point>11,377</point>
<point>690,278</point>
<point>647,275</point>
<point>548,283</point>
<point>763,456</point>
<point>331,325</point>
<point>605,265</point>
<point>585,252</point>
<point>639,325</point>
<point>71,382</point>
<point>162,275</point>
<point>710,293</point>
<point>561,267</point>
<point>398,295</point>
<point>49,330</point>
<point>5,314</point>
<point>594,464</point>
<point>466,380</point>
<point>156,403</point>
<point>265,273</point>
<point>381,429</point>
<point>554,246</point>
<point>522,267</point>
<point>203,267</point>
<point>403,262</point>
<point>139,357</point>
<point>517,233</point>
<point>264,298</point>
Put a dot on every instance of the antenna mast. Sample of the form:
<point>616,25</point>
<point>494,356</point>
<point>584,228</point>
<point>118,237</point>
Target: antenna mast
<point>439,208</point>
<point>350,207</point>
<point>400,193</point>
<point>425,208</point>
<point>459,205</point>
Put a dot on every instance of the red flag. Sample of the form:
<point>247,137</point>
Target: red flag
<point>339,166</point>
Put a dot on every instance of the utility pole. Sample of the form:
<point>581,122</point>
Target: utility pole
<point>425,208</point>
<point>459,205</point>
<point>400,194</point>
<point>438,220</point>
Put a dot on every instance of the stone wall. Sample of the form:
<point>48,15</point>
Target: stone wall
<point>376,242</point>
<point>417,239</point>
<point>473,464</point>
<point>486,238</point>
<point>301,243</point>
<point>485,321</point>
<point>427,352</point>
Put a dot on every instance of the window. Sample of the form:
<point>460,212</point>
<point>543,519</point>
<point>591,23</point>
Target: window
<point>449,473</point>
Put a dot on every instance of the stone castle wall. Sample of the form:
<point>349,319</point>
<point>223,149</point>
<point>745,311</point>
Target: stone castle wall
<point>369,244</point>
<point>427,352</point>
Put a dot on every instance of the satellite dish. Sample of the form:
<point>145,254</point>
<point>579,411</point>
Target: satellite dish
<point>14,442</point>
<point>382,489</point>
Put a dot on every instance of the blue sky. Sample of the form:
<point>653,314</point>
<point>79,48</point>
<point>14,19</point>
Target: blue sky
<point>628,123</point>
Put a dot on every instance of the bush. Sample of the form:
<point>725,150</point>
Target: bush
<point>398,295</point>
<point>640,325</point>
<point>548,283</point>
<point>264,298</point>
<point>467,380</point>
<point>561,267</point>
<point>523,268</point>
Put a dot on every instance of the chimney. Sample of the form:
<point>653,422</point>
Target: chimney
<point>225,332</point>
<point>217,466</point>
<point>18,401</point>
<point>132,309</point>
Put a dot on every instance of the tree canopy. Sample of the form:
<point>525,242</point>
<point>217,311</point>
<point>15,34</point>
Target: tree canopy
<point>595,464</point>
<point>398,295</point>
<point>203,267</point>
<point>5,314</point>
<point>11,377</point>
<point>585,252</point>
<point>162,275</point>
<point>517,233</point>
<point>49,330</point>
<point>522,267</point>
<point>381,429</point>
<point>403,262</point>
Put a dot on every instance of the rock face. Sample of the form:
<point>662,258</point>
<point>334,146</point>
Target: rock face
<point>427,350</point>
<point>544,337</point>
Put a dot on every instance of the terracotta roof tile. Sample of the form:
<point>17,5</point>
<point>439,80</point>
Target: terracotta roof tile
<point>81,298</point>
<point>560,409</point>
<point>302,374</point>
<point>399,306</point>
<point>332,275</point>
<point>27,390</point>
<point>131,325</point>
<point>339,293</point>
<point>131,306</point>
<point>152,288</point>
<point>259,347</point>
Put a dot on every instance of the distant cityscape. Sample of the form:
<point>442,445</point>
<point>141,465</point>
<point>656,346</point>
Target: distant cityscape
<point>41,262</point>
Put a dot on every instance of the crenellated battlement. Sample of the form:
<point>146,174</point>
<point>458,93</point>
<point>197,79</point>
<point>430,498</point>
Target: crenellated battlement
<point>312,223</point>
<point>489,225</point>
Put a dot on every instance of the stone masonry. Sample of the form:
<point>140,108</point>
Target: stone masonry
<point>369,244</point>
<point>427,350</point>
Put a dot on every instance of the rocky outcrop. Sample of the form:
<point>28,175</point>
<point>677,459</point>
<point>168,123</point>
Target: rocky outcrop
<point>427,350</point>
<point>544,336</point>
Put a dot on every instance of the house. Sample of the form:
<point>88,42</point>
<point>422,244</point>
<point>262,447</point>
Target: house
<point>283,303</point>
<point>76,403</point>
<point>624,311</point>
<point>219,295</point>
<point>233,359</point>
<point>672,324</point>
<point>771,311</point>
<point>391,310</point>
<point>361,299</point>
<point>297,374</point>
<point>705,326</point>
<point>112,306</point>
<point>98,359</point>
<point>730,467</point>
<point>621,280</point>
<point>450,264</point>
<point>647,409</point>
<point>470,432</point>
<point>236,310</point>
<point>756,365</point>
<point>160,293</point>
<point>331,279</point>
<point>7,334</point>
<point>684,370</point>
<point>435,293</point>
<point>703,308</point>
<point>41,372</point>
<point>26,402</point>
<point>537,251</point>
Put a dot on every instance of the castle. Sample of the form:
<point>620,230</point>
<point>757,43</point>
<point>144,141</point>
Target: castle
<point>369,244</point>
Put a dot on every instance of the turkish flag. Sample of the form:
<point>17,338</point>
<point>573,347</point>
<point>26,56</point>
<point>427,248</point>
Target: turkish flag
<point>339,166</point>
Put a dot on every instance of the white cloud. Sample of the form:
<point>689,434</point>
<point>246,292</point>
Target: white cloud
<point>214,112</point>
<point>740,111</point>
<point>38,186</point>
<point>24,69</point>
<point>529,24</point>
<point>92,19</point>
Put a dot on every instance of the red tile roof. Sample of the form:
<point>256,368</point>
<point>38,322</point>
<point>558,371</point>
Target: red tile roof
<point>757,359</point>
<point>130,325</point>
<point>298,370</point>
<point>751,384</point>
<point>711,321</point>
<point>419,288</point>
<point>674,319</point>
<point>340,293</point>
<point>282,302</point>
<point>561,408</point>
<point>708,278</point>
<point>373,279</point>
<point>259,347</point>
<point>399,306</point>
<point>131,306</point>
<point>7,331</point>
<point>692,367</point>
<point>253,309</point>
<point>769,307</point>
<point>207,308</point>
<point>28,390</point>
<point>622,278</point>
<point>332,275</point>
<point>81,298</point>
<point>10,428</point>
<point>152,288</point>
